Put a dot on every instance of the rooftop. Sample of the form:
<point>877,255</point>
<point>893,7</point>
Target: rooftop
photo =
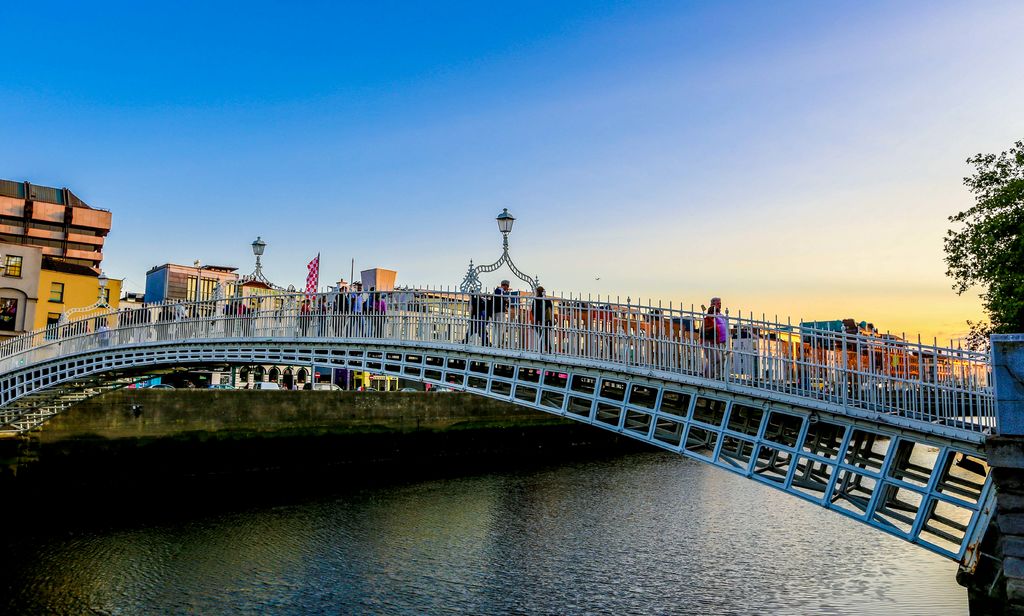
<point>227,269</point>
<point>35,192</point>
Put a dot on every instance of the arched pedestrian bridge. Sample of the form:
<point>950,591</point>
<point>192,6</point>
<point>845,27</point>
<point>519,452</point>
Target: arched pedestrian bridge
<point>882,430</point>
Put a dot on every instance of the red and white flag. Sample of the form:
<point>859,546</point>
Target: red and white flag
<point>313,275</point>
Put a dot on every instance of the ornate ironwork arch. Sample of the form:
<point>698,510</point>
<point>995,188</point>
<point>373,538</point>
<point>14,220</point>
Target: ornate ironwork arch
<point>471,283</point>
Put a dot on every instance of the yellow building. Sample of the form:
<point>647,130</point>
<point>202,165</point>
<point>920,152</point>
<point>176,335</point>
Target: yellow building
<point>66,286</point>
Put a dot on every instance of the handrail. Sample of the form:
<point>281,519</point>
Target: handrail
<point>885,375</point>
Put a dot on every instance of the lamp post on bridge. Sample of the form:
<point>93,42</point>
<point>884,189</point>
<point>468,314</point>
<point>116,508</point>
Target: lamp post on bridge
<point>101,282</point>
<point>471,283</point>
<point>101,301</point>
<point>258,246</point>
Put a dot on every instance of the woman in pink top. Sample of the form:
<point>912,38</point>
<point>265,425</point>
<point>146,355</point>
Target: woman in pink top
<point>714,333</point>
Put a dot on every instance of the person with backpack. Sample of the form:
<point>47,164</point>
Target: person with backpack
<point>477,319</point>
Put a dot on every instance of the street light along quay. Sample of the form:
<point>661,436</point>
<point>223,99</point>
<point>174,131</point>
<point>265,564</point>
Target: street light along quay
<point>199,279</point>
<point>471,283</point>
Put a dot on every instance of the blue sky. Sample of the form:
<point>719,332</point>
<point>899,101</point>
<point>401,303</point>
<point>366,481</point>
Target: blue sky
<point>798,158</point>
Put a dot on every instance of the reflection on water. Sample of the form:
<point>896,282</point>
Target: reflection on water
<point>648,533</point>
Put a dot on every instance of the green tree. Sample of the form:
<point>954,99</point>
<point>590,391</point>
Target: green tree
<point>986,248</point>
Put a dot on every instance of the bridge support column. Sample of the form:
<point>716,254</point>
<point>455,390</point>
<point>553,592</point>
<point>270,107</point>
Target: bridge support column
<point>997,585</point>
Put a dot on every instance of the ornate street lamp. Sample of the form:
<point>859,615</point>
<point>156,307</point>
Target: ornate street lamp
<point>257,275</point>
<point>505,221</point>
<point>471,283</point>
<point>101,301</point>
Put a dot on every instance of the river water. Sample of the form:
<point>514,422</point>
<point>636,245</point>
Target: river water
<point>638,533</point>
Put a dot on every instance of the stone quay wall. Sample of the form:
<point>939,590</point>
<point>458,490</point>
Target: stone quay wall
<point>154,413</point>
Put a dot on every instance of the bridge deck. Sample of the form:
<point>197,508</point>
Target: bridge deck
<point>948,389</point>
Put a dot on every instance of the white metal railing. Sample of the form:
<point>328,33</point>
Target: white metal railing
<point>886,375</point>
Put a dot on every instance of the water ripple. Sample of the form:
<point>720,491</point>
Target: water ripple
<point>640,534</point>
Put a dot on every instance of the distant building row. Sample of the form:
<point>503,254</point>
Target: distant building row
<point>174,282</point>
<point>51,250</point>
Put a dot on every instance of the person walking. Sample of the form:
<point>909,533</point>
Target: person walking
<point>543,319</point>
<point>380,309</point>
<point>305,316</point>
<point>477,319</point>
<point>359,310</point>
<point>714,335</point>
<point>321,316</point>
<point>498,314</point>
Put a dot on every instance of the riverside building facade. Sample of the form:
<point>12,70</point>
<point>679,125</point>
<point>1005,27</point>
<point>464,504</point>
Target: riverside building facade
<point>55,220</point>
<point>51,250</point>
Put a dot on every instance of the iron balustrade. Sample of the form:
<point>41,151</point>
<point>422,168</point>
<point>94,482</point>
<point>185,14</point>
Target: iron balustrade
<point>890,377</point>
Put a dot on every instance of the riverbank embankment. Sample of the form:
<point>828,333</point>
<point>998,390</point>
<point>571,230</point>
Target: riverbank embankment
<point>142,437</point>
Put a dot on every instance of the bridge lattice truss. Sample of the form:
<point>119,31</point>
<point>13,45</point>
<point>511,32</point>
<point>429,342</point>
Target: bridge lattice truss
<point>886,432</point>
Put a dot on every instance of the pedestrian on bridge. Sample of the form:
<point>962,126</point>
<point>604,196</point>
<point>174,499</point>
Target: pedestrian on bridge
<point>477,319</point>
<point>500,303</point>
<point>305,317</point>
<point>715,335</point>
<point>543,320</point>
<point>380,313</point>
<point>358,303</point>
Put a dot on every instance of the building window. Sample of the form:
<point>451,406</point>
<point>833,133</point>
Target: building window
<point>57,292</point>
<point>106,296</point>
<point>8,314</point>
<point>206,289</point>
<point>12,266</point>
<point>52,319</point>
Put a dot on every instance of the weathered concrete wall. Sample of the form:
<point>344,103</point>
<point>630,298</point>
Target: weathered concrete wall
<point>170,412</point>
<point>1006,457</point>
<point>997,586</point>
<point>178,434</point>
<point>234,446</point>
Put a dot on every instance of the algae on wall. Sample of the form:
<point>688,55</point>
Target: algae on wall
<point>142,413</point>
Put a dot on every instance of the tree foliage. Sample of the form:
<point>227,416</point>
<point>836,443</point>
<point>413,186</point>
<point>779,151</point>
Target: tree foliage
<point>986,248</point>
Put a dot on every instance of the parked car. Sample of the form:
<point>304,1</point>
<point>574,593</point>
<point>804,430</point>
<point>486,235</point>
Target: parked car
<point>326,387</point>
<point>221,386</point>
<point>161,386</point>
<point>266,386</point>
<point>409,389</point>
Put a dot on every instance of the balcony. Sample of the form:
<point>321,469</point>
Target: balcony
<point>12,207</point>
<point>48,212</point>
<point>83,238</point>
<point>88,255</point>
<point>92,219</point>
<point>45,234</point>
